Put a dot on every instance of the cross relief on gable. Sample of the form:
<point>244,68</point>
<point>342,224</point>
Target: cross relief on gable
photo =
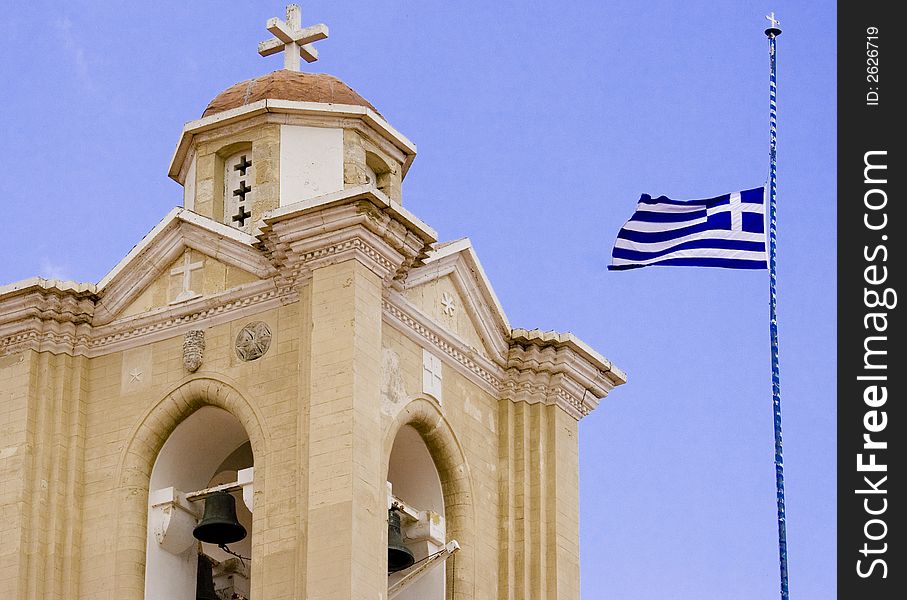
<point>183,284</point>
<point>239,190</point>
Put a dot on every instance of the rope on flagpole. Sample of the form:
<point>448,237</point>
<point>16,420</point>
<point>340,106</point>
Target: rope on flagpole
<point>773,32</point>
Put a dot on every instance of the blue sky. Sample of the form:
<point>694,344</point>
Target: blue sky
<point>538,127</point>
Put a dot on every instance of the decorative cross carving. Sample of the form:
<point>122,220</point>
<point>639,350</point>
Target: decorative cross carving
<point>243,165</point>
<point>448,304</point>
<point>241,215</point>
<point>290,39</point>
<point>135,376</point>
<point>253,341</point>
<point>771,19</point>
<point>242,191</point>
<point>186,271</point>
<point>432,375</point>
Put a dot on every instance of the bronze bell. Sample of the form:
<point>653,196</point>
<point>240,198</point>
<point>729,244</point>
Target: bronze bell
<point>398,556</point>
<point>219,525</point>
<point>204,581</point>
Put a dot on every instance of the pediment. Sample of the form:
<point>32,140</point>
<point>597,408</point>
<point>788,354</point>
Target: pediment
<point>452,290</point>
<point>154,275</point>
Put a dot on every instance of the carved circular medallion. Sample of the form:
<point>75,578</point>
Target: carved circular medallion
<point>253,341</point>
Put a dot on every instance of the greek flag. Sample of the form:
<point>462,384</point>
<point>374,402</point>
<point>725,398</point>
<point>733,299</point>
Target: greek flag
<point>727,231</point>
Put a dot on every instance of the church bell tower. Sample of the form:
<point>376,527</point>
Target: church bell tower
<point>290,388</point>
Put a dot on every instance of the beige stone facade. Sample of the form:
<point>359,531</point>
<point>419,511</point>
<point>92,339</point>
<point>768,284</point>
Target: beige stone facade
<point>356,293</point>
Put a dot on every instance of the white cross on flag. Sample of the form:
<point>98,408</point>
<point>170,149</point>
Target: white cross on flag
<point>726,231</point>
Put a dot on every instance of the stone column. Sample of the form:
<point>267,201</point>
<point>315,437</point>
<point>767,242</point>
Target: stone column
<point>346,553</point>
<point>42,432</point>
<point>539,501</point>
<point>552,381</point>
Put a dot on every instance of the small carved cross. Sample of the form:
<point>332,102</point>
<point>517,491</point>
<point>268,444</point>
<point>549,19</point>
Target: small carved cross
<point>290,39</point>
<point>771,19</point>
<point>242,191</point>
<point>432,375</point>
<point>241,215</point>
<point>243,165</point>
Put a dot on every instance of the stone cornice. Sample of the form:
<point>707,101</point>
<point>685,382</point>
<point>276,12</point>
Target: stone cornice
<point>558,370</point>
<point>358,223</point>
<point>594,365</point>
<point>250,298</point>
<point>45,324</point>
<point>46,314</point>
<point>424,331</point>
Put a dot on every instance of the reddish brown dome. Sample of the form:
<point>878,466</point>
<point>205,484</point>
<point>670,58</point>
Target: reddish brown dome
<point>287,85</point>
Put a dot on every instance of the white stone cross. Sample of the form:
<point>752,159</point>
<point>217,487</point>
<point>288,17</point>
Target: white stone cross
<point>290,39</point>
<point>186,271</point>
<point>771,19</point>
<point>432,375</point>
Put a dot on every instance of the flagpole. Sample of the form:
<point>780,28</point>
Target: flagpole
<point>773,32</point>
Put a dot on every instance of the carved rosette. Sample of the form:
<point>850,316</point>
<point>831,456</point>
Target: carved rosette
<point>253,341</point>
<point>193,349</point>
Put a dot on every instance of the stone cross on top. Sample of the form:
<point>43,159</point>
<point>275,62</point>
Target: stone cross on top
<point>290,39</point>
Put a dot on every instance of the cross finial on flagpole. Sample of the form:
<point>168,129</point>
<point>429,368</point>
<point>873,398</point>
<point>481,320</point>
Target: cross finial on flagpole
<point>291,39</point>
<point>774,30</point>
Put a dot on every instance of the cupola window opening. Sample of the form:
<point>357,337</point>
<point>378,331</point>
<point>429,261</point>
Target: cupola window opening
<point>239,189</point>
<point>378,172</point>
<point>208,451</point>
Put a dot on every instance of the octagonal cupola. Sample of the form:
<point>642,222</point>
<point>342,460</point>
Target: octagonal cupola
<point>286,137</point>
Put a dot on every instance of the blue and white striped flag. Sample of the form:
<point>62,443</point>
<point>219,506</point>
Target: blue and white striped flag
<point>727,231</point>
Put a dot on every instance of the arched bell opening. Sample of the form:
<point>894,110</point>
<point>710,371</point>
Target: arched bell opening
<point>416,498</point>
<point>210,448</point>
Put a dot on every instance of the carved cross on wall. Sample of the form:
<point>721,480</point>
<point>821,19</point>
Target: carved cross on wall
<point>292,40</point>
<point>243,165</point>
<point>186,271</point>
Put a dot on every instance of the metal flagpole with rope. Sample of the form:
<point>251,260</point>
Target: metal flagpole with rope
<point>772,33</point>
